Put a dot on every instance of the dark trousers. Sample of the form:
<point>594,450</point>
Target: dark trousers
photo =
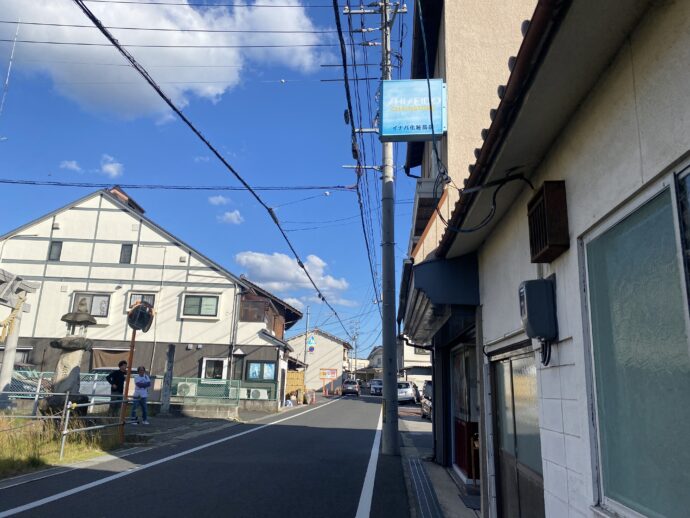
<point>115,403</point>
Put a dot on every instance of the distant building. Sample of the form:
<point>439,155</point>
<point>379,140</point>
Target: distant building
<point>323,351</point>
<point>375,358</point>
<point>414,363</point>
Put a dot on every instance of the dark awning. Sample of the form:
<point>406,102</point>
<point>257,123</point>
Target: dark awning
<point>454,281</point>
<point>436,287</point>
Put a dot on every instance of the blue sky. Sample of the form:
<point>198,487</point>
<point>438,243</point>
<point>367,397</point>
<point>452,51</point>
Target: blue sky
<point>72,114</point>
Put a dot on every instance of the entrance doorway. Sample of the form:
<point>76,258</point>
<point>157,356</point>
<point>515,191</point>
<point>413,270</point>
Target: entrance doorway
<point>520,481</point>
<point>465,424</point>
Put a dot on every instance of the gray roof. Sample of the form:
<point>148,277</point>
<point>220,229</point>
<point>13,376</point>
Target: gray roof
<point>323,333</point>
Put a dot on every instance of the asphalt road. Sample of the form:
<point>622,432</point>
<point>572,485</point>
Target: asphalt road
<point>307,463</point>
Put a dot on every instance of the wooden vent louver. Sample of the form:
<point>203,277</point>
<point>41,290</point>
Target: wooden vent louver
<point>547,213</point>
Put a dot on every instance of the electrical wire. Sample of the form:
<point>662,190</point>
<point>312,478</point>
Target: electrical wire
<point>96,185</point>
<point>81,4</point>
<point>165,29</point>
<point>204,5</point>
<point>355,152</point>
<point>162,46</point>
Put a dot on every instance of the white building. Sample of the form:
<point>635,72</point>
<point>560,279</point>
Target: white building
<point>414,363</point>
<point>324,351</point>
<point>104,250</point>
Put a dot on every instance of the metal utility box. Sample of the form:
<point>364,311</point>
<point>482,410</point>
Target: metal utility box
<point>538,309</point>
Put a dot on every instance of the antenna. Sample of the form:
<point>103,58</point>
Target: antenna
<point>7,78</point>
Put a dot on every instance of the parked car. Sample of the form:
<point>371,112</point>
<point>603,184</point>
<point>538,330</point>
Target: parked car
<point>428,389</point>
<point>95,385</point>
<point>350,387</point>
<point>427,408</point>
<point>376,387</point>
<point>407,392</point>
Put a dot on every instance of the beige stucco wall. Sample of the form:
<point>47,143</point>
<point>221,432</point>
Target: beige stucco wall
<point>473,60</point>
<point>631,129</point>
<point>327,354</point>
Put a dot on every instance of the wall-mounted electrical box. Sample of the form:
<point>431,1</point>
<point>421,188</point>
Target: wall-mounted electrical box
<point>538,309</point>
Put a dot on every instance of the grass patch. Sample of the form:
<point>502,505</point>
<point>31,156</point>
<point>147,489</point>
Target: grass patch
<point>30,444</point>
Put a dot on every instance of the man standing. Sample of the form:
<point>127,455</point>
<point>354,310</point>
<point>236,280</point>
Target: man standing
<point>141,394</point>
<point>117,386</point>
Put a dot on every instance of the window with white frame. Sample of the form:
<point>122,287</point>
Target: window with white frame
<point>200,306</point>
<point>214,368</point>
<point>148,298</point>
<point>639,314</point>
<point>96,304</point>
<point>261,371</point>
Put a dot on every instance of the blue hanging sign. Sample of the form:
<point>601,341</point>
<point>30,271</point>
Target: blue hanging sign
<point>406,112</point>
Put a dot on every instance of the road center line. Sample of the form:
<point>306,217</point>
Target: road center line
<point>364,507</point>
<point>111,478</point>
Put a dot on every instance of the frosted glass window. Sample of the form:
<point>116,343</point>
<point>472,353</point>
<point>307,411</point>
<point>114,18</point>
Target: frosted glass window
<point>504,408</point>
<point>641,361</point>
<point>527,412</point>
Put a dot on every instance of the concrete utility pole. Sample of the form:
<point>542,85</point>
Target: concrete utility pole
<point>306,337</point>
<point>389,437</point>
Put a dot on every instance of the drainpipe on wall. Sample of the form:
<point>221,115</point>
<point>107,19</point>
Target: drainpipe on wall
<point>236,323</point>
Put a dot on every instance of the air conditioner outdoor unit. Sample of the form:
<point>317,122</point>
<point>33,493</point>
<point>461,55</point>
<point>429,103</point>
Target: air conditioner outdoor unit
<point>186,389</point>
<point>258,394</point>
<point>237,393</point>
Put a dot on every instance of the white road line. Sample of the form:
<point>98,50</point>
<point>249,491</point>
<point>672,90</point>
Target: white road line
<point>364,507</point>
<point>24,479</point>
<point>137,469</point>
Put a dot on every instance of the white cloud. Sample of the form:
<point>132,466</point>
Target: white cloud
<point>231,217</point>
<point>201,158</point>
<point>218,200</point>
<point>85,75</point>
<point>70,165</point>
<point>295,303</point>
<point>281,274</point>
<point>110,167</point>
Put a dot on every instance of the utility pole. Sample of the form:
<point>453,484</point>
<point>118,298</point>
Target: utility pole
<point>355,336</point>
<point>306,337</point>
<point>389,437</point>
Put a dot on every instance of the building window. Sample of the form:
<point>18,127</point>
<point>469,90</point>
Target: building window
<point>641,360</point>
<point>126,253</point>
<point>214,368</point>
<point>200,306</point>
<point>261,371</point>
<point>148,298</point>
<point>55,251</point>
<point>253,311</point>
<point>96,304</point>
<point>419,350</point>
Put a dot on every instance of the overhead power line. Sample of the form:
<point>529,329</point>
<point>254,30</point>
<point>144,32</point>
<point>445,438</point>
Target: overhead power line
<point>199,4</point>
<point>162,46</point>
<point>212,148</point>
<point>96,185</point>
<point>172,29</point>
<point>355,152</point>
